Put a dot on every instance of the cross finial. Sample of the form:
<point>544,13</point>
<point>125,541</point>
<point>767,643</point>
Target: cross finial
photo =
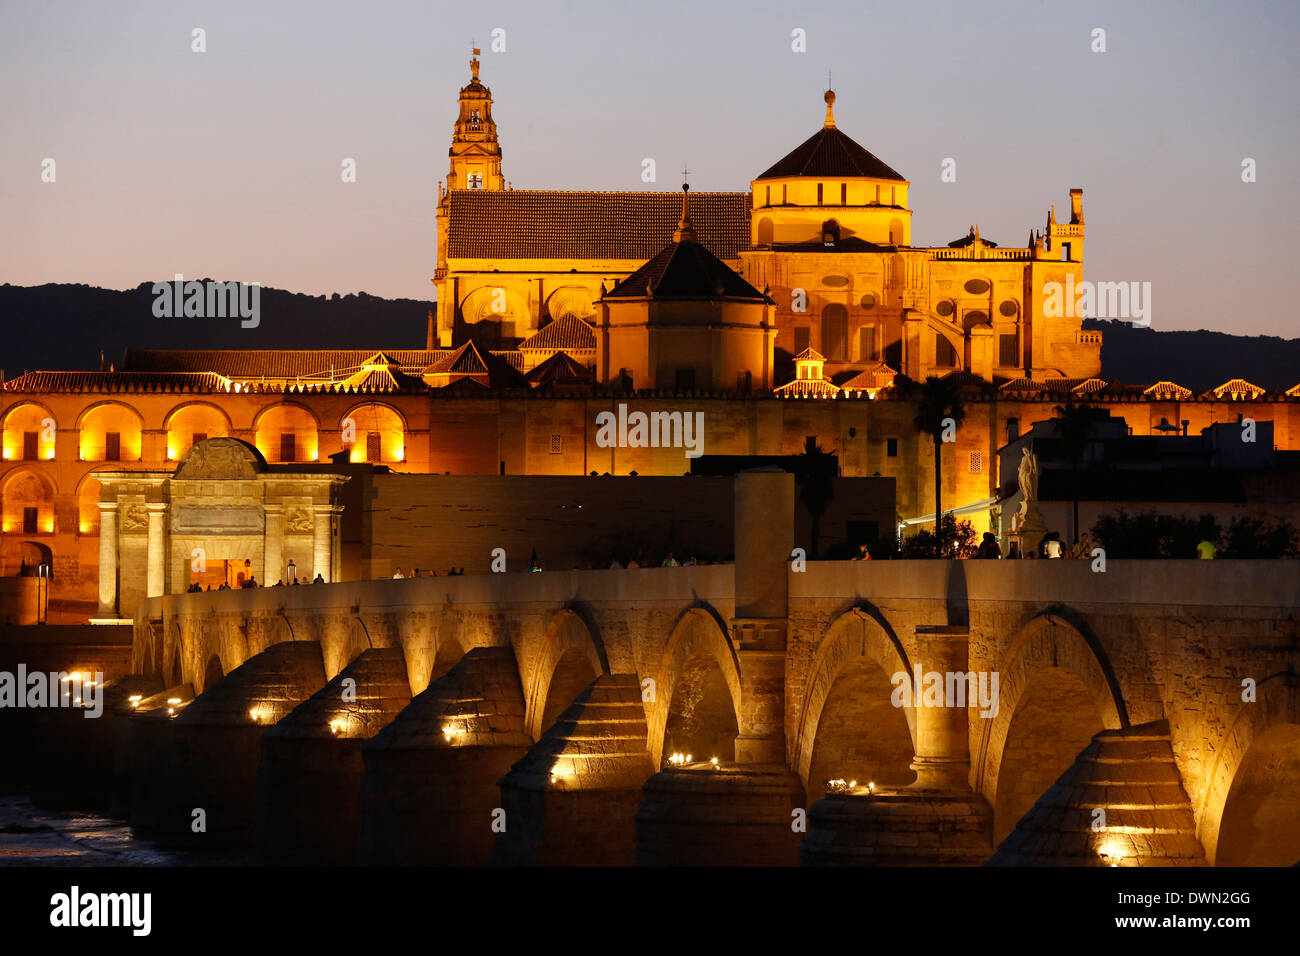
<point>685,173</point>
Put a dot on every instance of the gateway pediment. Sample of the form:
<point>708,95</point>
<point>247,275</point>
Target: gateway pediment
<point>221,458</point>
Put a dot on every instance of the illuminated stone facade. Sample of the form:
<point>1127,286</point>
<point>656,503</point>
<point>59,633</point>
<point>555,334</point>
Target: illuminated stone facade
<point>826,232</point>
<point>554,307</point>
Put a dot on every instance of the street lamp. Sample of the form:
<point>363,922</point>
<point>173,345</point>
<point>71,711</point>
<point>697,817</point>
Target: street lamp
<point>42,593</point>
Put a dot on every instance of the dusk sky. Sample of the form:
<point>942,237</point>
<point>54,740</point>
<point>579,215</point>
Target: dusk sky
<point>227,163</point>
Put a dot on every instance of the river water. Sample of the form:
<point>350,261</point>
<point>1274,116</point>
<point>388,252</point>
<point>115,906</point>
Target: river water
<point>30,836</point>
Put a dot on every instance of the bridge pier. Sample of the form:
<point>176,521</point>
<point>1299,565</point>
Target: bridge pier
<point>146,729</point>
<point>309,781</point>
<point>73,758</point>
<point>729,815</point>
<point>572,800</point>
<point>1146,819</point>
<point>429,788</point>
<point>899,827</point>
<point>209,757</point>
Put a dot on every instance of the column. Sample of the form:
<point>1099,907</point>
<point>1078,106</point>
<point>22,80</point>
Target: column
<point>913,336</point>
<point>157,579</point>
<point>764,538</point>
<point>273,567</point>
<point>322,550</point>
<point>107,559</point>
<point>942,737</point>
<point>336,543</point>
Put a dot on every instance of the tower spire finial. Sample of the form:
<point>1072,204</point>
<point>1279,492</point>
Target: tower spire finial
<point>685,231</point>
<point>473,63</point>
<point>830,106</point>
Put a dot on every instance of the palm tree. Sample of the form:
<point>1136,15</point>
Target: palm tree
<point>938,402</point>
<point>817,471</point>
<point>1075,426</point>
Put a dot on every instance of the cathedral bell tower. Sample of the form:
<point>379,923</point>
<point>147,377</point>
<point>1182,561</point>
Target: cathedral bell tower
<point>475,153</point>
<point>475,164</point>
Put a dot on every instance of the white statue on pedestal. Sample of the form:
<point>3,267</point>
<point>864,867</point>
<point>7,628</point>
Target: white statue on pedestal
<point>1028,475</point>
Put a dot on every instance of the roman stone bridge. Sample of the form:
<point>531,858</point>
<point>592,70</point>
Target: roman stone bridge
<point>1147,714</point>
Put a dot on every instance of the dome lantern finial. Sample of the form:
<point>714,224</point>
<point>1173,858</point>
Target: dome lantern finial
<point>685,231</point>
<point>830,108</point>
<point>473,64</point>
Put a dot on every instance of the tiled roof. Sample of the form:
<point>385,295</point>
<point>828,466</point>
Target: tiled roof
<point>462,361</point>
<point>467,363</point>
<point>547,224</point>
<point>810,354</point>
<point>963,378</point>
<point>879,375</point>
<point>247,364</point>
<point>382,380</point>
<point>1237,387</point>
<point>685,270</point>
<point>830,153</point>
<point>567,332</point>
<point>1023,385</point>
<point>512,357</point>
<point>118,382</point>
<point>1165,388</point>
<point>807,388</point>
<point>1120,390</point>
<point>561,369</point>
<point>1089,385</point>
<point>1079,386</point>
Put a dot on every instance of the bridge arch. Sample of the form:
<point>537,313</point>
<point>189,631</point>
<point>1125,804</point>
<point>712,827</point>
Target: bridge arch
<point>213,671</point>
<point>1255,782</point>
<point>848,724</point>
<point>1056,691</point>
<point>448,655</point>
<point>570,658</point>
<point>696,690</point>
<point>175,674</point>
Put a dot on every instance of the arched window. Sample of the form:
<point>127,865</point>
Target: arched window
<point>765,232</point>
<point>191,424</point>
<point>28,503</point>
<point>29,433</point>
<point>88,505</point>
<point>835,332</point>
<point>374,433</point>
<point>285,433</point>
<point>111,432</point>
